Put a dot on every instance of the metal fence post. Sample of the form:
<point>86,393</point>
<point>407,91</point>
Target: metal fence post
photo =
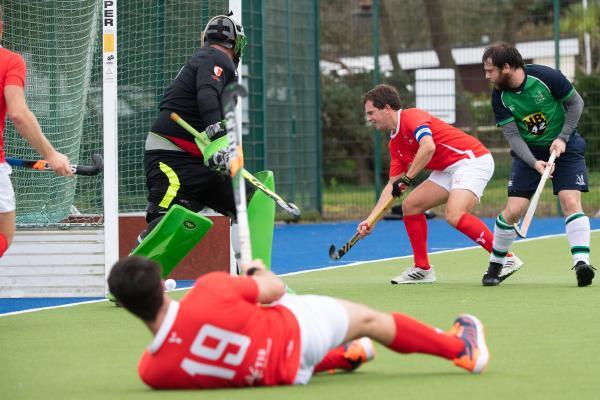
<point>376,80</point>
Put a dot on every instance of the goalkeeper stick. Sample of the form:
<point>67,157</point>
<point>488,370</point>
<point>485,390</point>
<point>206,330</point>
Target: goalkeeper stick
<point>236,168</point>
<point>371,221</point>
<point>42,165</point>
<point>203,141</point>
<point>236,165</point>
<point>522,231</point>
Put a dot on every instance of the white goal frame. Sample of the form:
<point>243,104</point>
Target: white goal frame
<point>110,137</point>
<point>110,129</point>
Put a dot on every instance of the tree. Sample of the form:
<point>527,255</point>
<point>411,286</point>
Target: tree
<point>443,48</point>
<point>582,21</point>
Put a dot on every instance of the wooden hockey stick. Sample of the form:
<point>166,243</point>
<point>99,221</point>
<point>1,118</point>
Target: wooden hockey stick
<point>371,221</point>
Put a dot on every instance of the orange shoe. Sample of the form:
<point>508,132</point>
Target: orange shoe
<point>475,356</point>
<point>359,351</point>
<point>347,356</point>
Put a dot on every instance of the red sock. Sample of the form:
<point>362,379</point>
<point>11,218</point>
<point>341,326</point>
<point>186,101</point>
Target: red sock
<point>3,244</point>
<point>413,336</point>
<point>334,359</point>
<point>416,228</point>
<point>474,228</point>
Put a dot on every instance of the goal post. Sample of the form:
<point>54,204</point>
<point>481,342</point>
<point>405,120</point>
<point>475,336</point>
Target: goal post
<point>110,129</point>
<point>73,49</point>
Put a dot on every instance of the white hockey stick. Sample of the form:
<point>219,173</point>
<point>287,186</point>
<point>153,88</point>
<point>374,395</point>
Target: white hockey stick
<point>236,166</point>
<point>522,231</point>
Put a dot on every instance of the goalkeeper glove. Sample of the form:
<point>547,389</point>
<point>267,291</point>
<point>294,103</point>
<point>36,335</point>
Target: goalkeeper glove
<point>219,161</point>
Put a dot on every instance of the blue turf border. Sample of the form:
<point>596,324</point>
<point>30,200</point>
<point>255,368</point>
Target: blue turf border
<point>300,247</point>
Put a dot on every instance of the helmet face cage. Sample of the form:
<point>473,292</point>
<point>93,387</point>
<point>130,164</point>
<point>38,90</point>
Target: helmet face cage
<point>235,40</point>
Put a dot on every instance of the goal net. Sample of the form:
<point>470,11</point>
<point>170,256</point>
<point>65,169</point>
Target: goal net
<point>61,41</point>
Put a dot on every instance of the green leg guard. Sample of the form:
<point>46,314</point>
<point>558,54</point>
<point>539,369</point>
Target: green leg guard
<point>261,218</point>
<point>173,238</point>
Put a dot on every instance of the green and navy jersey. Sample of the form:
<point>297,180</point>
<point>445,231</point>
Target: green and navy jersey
<point>536,105</point>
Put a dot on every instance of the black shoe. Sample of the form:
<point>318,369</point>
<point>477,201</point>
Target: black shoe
<point>492,276</point>
<point>584,273</point>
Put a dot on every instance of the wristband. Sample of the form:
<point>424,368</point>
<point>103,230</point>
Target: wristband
<point>406,180</point>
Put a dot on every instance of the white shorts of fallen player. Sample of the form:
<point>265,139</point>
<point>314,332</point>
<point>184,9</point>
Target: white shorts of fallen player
<point>472,174</point>
<point>323,325</point>
<point>7,194</point>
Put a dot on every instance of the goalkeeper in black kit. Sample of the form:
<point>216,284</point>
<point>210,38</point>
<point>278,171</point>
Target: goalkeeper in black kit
<point>178,170</point>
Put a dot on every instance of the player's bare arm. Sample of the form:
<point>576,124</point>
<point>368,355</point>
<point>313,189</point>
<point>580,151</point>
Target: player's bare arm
<point>363,227</point>
<point>558,146</point>
<point>422,158</point>
<point>27,125</point>
<point>270,287</point>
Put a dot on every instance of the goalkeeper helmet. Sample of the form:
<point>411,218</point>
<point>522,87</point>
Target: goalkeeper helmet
<point>227,32</point>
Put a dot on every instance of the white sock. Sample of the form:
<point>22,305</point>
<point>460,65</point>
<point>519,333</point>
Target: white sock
<point>577,227</point>
<point>504,236</point>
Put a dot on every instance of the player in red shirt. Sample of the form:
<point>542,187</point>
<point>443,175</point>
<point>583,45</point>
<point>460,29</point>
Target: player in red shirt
<point>461,167</point>
<point>12,100</point>
<point>235,331</point>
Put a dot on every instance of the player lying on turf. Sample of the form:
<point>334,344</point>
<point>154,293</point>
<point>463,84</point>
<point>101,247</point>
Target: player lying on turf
<point>234,331</point>
<point>461,166</point>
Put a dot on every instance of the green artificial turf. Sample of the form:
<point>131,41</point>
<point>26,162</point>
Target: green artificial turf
<point>543,333</point>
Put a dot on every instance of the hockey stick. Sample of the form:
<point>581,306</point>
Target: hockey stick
<point>236,168</point>
<point>42,165</point>
<point>522,231</point>
<point>203,141</point>
<point>236,165</point>
<point>371,221</point>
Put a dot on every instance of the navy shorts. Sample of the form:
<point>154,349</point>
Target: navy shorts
<point>570,172</point>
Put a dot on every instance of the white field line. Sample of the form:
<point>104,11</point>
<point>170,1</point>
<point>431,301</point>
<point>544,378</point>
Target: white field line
<point>68,305</point>
<point>52,307</point>
<point>293,273</point>
<point>408,256</point>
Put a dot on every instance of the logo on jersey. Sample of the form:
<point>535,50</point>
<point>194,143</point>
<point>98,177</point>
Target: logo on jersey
<point>536,123</point>
<point>175,339</point>
<point>539,97</point>
<point>256,371</point>
<point>217,72</point>
<point>580,181</point>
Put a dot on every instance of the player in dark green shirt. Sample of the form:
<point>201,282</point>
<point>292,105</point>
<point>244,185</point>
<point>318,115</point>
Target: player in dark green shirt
<point>538,110</point>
